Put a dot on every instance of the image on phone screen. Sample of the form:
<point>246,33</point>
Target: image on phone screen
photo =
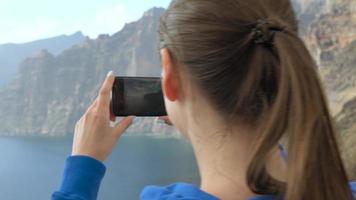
<point>139,96</point>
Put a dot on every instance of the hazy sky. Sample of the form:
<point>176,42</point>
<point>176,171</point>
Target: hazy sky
<point>23,21</point>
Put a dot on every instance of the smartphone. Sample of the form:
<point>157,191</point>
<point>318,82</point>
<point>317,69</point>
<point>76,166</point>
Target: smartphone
<point>138,96</point>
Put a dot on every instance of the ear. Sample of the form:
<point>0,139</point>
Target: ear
<point>170,79</point>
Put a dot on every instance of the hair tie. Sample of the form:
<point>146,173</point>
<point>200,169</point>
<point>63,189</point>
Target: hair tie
<point>264,31</point>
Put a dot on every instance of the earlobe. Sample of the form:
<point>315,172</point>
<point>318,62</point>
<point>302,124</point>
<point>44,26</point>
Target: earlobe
<point>170,81</point>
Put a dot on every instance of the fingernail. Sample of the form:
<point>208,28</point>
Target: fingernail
<point>158,119</point>
<point>110,73</point>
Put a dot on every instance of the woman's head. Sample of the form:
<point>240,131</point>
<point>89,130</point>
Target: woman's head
<point>245,60</point>
<point>215,43</point>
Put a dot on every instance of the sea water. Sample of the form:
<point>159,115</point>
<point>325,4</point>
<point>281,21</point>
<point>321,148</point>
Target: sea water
<point>31,167</point>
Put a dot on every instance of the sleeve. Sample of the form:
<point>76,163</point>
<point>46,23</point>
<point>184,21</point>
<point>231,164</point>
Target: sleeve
<point>81,179</point>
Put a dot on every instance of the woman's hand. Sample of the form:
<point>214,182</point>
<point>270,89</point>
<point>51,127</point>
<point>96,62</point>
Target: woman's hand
<point>93,135</point>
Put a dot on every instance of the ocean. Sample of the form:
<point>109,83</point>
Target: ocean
<point>31,167</point>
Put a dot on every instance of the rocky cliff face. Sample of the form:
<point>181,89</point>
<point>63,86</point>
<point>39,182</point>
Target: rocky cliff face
<point>307,11</point>
<point>339,75</point>
<point>335,29</point>
<point>347,123</point>
<point>332,39</point>
<point>52,92</point>
<point>12,54</point>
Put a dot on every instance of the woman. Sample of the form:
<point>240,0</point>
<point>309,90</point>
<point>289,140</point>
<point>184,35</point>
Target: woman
<point>237,80</point>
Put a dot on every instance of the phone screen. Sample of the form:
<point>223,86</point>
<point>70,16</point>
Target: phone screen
<point>138,96</point>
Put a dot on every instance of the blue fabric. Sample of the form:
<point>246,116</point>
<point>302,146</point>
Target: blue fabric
<point>353,188</point>
<point>284,153</point>
<point>81,179</point>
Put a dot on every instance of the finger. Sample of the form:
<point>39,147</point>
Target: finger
<point>166,120</point>
<point>112,116</point>
<point>123,125</point>
<point>163,117</point>
<point>104,94</point>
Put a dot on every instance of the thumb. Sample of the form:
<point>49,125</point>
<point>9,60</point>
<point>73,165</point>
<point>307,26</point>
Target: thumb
<point>123,125</point>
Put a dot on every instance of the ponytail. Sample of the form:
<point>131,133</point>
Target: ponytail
<point>315,168</point>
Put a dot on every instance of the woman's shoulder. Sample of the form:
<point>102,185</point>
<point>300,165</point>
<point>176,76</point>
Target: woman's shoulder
<point>187,191</point>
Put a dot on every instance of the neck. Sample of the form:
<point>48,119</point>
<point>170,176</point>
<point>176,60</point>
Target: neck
<point>223,164</point>
<point>223,156</point>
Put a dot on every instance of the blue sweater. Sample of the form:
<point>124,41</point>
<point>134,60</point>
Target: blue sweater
<point>82,177</point>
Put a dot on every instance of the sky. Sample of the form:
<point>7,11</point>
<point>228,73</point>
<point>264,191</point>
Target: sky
<point>24,21</point>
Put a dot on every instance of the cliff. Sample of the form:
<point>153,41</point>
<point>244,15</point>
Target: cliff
<point>52,92</point>
<point>11,55</point>
<point>347,122</point>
